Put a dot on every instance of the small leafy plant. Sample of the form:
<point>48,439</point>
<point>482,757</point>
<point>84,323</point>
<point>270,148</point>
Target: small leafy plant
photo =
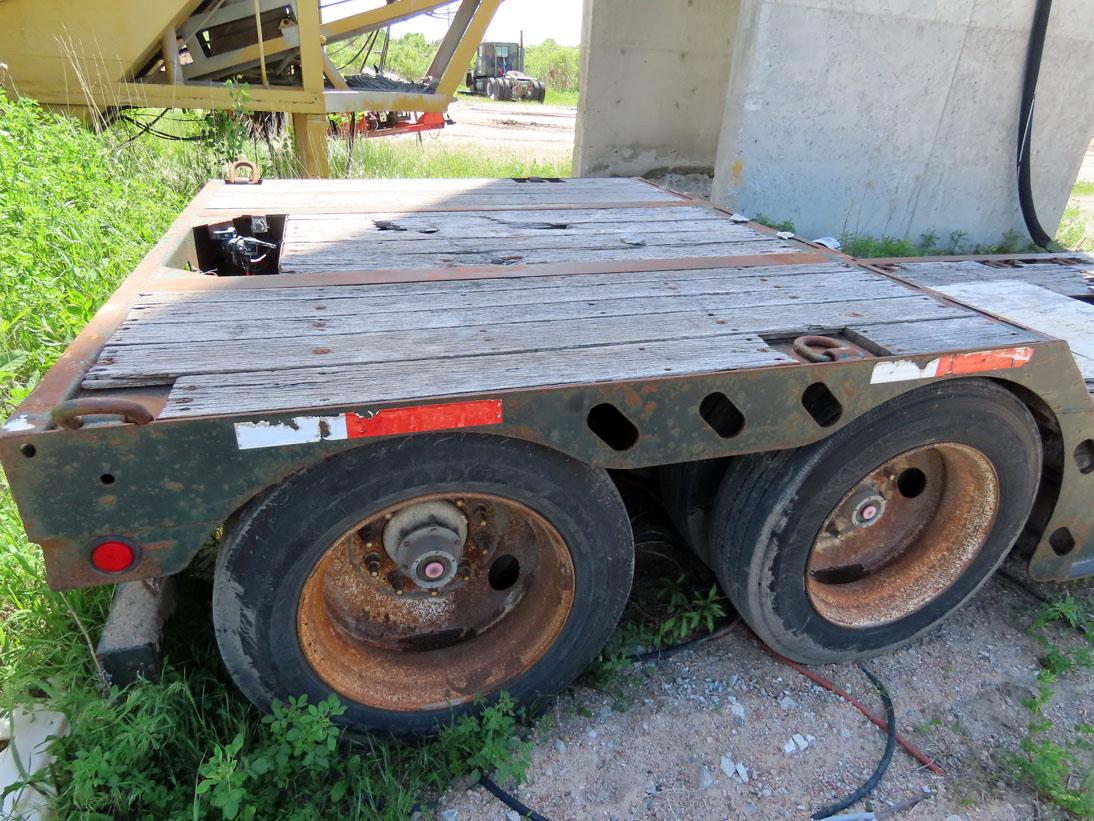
<point>1059,773</point>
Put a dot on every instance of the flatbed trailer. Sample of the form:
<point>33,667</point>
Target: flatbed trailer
<point>400,398</point>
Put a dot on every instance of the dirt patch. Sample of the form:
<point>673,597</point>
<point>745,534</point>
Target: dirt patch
<point>671,749</point>
<point>536,131</point>
<point>1086,172</point>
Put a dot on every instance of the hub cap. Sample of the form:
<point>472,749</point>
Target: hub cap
<point>435,601</point>
<point>903,535</point>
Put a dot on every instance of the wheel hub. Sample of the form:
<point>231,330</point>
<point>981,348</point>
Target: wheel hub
<point>426,541</point>
<point>436,599</point>
<point>902,535</point>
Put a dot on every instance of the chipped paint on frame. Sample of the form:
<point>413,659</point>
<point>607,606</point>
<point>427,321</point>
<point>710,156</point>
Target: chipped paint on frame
<point>301,430</point>
<point>903,370</point>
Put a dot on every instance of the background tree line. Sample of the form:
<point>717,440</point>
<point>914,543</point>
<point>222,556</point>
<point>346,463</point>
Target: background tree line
<point>409,57</point>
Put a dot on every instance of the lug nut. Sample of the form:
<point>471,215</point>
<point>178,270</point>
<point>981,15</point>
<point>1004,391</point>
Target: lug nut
<point>372,564</point>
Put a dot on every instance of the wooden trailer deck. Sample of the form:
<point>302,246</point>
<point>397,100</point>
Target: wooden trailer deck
<point>404,290</point>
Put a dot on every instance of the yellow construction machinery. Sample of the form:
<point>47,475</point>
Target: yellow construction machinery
<point>102,55</point>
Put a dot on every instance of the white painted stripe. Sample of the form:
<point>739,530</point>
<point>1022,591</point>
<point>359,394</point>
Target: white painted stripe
<point>299,430</point>
<point>902,370</point>
<point>18,423</point>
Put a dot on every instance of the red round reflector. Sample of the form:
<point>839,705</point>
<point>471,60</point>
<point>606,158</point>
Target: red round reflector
<point>113,557</point>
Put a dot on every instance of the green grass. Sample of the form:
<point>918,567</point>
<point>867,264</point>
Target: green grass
<point>1060,771</point>
<point>867,247</point>
<point>1075,233</point>
<point>1083,188</point>
<point>404,157</point>
<point>1077,224</point>
<point>561,97</point>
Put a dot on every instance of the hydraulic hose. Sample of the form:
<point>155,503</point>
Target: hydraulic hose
<point>1034,52</point>
<point>883,764</point>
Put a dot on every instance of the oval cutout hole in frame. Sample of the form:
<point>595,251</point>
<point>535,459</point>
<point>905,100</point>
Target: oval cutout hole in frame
<point>612,427</point>
<point>1061,541</point>
<point>724,418</point>
<point>820,403</point>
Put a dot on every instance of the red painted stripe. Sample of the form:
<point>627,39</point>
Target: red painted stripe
<point>960,363</point>
<point>421,418</point>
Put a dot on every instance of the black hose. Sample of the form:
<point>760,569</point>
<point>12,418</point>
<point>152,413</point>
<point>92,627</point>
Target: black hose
<point>1025,123</point>
<point>509,801</point>
<point>672,650</point>
<point>882,765</point>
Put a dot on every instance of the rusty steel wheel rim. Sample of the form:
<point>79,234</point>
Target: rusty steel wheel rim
<point>903,535</point>
<point>375,636</point>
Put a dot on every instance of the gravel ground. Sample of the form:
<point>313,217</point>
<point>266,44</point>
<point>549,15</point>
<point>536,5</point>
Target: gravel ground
<point>711,732</point>
<point>536,131</point>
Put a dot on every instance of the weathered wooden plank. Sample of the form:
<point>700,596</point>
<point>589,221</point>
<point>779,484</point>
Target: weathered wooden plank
<point>1069,280</point>
<point>378,260</point>
<point>482,301</point>
<point>258,391</point>
<point>300,230</point>
<point>962,332</point>
<point>321,323</point>
<point>1033,306</point>
<point>284,195</point>
<point>605,236</point>
<point>390,186</point>
<point>300,227</point>
<point>435,289</point>
<point>157,364</point>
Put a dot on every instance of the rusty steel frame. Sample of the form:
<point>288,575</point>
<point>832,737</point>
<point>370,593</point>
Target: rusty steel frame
<point>174,481</point>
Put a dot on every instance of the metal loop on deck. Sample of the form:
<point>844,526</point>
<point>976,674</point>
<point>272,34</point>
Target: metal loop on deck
<point>69,414</point>
<point>825,349</point>
<point>235,179</point>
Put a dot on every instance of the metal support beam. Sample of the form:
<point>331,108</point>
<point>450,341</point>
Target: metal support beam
<point>332,32</point>
<point>171,63</point>
<point>311,44</point>
<point>456,30</point>
<point>310,142</point>
<point>465,48</point>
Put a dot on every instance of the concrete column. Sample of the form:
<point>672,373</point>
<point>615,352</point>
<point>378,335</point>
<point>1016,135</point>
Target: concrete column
<point>900,118</point>
<point>653,83</point>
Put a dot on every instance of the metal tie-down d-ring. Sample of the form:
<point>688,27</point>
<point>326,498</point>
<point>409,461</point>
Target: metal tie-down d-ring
<point>825,349</point>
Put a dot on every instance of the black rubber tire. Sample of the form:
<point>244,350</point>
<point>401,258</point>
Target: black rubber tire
<point>270,548</point>
<point>492,89</point>
<point>771,506</point>
<point>688,492</point>
<point>506,89</point>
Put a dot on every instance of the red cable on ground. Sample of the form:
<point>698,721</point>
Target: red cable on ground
<point>817,678</point>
